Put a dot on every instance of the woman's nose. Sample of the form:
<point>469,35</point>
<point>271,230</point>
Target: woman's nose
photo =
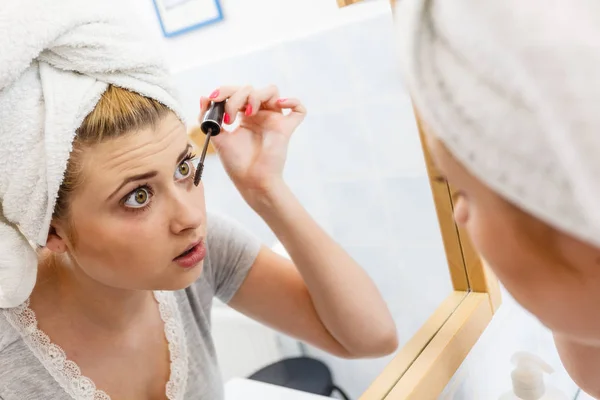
<point>188,211</point>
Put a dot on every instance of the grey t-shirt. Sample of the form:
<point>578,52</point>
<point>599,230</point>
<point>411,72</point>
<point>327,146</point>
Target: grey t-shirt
<point>231,252</point>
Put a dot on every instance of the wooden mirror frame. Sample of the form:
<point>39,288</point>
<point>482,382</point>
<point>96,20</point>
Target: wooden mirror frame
<point>424,366</point>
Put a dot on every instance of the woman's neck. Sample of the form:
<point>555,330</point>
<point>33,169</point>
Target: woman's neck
<point>66,288</point>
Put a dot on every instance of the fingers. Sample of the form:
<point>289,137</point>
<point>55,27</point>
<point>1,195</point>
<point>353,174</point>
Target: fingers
<point>297,113</point>
<point>249,101</point>
<point>237,101</point>
<point>244,99</point>
<point>220,94</point>
<point>204,103</point>
<point>265,99</point>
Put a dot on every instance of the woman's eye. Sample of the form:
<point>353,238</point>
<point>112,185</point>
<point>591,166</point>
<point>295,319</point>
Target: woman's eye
<point>138,198</point>
<point>184,170</point>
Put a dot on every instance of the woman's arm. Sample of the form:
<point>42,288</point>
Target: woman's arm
<point>324,297</point>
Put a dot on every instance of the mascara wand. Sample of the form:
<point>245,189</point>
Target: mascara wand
<point>211,126</point>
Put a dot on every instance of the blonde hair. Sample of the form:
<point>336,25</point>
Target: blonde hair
<point>118,112</point>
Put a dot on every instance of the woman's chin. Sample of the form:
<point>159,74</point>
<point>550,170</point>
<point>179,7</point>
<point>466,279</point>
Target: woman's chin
<point>182,278</point>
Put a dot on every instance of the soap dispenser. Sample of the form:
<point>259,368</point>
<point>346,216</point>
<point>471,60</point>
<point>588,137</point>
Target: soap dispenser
<point>528,380</point>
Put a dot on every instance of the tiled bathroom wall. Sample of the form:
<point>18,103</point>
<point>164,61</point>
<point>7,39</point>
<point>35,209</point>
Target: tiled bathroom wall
<point>355,163</point>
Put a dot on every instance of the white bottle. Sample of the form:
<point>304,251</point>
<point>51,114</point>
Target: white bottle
<point>528,380</point>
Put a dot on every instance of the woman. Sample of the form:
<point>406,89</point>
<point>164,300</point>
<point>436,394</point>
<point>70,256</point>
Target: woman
<point>508,95</point>
<point>131,260</point>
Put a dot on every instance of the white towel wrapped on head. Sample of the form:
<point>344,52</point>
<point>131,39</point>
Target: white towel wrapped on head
<point>56,59</point>
<point>512,88</point>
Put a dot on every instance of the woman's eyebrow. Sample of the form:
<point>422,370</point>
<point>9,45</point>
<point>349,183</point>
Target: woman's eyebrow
<point>184,153</point>
<point>134,178</point>
<point>147,175</point>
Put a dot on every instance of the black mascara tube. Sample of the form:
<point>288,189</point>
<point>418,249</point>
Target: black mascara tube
<point>211,126</point>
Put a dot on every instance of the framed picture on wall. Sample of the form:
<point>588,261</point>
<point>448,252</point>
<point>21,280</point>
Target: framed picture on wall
<point>180,16</point>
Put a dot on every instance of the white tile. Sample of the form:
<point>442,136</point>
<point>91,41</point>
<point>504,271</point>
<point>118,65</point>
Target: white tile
<point>372,57</point>
<point>356,213</point>
<point>258,69</point>
<point>392,130</point>
<point>318,67</point>
<point>339,144</point>
<point>301,159</point>
<point>411,212</point>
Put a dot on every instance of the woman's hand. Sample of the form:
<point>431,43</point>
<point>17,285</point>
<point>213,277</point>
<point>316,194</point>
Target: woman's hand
<point>254,153</point>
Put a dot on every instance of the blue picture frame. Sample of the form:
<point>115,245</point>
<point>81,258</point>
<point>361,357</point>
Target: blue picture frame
<point>170,34</point>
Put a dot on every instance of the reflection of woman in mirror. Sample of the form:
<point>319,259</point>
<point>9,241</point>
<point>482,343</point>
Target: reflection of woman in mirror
<point>509,95</point>
<point>96,171</point>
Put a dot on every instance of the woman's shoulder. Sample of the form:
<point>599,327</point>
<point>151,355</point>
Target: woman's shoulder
<point>219,224</point>
<point>225,234</point>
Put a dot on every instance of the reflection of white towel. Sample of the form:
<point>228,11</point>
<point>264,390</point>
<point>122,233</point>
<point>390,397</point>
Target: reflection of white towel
<point>512,88</point>
<point>57,58</point>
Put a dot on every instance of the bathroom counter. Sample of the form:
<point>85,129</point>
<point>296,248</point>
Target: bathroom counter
<point>244,389</point>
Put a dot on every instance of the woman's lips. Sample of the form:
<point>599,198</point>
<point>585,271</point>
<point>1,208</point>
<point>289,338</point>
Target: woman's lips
<point>192,257</point>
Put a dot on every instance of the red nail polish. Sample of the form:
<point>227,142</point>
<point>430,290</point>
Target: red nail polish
<point>249,109</point>
<point>226,118</point>
<point>214,94</point>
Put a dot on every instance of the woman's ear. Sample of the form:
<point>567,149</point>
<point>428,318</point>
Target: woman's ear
<point>56,242</point>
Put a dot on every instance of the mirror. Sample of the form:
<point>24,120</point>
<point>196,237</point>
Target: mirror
<point>357,165</point>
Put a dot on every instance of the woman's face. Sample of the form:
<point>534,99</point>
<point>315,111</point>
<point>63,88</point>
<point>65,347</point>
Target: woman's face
<point>137,210</point>
<point>554,276</point>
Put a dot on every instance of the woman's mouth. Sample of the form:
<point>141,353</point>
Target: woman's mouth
<point>191,257</point>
